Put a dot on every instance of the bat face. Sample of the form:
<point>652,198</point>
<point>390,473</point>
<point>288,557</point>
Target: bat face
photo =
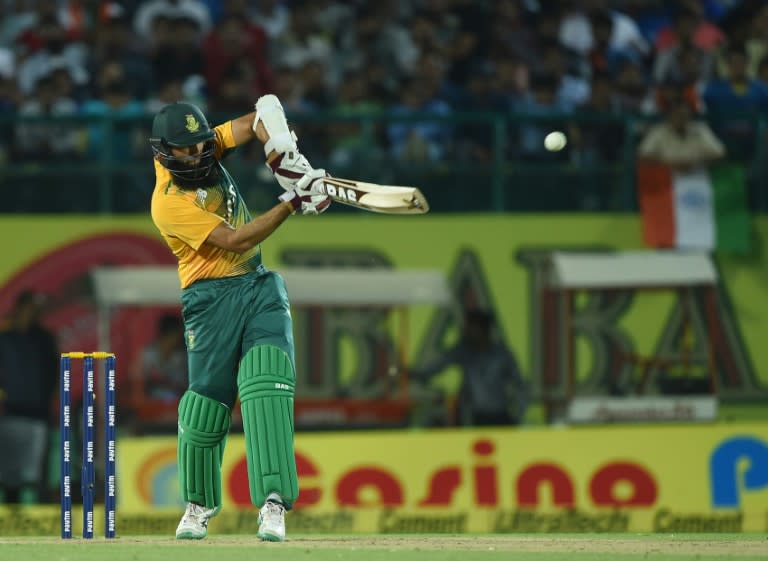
<point>386,199</point>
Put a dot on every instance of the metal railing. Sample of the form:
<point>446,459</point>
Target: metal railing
<point>470,162</point>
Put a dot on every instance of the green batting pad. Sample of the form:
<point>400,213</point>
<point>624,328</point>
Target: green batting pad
<point>203,427</point>
<point>266,385</point>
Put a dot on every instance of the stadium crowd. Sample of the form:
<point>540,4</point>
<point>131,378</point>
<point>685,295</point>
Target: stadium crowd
<point>357,57</point>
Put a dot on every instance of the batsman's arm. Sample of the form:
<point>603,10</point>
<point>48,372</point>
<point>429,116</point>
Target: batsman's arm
<point>263,136</point>
<point>253,233</point>
<point>287,164</point>
<point>260,228</point>
<point>243,130</point>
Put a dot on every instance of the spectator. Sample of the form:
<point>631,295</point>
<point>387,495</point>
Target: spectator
<point>29,37</point>
<point>433,70</point>
<point>316,95</point>
<point>576,32</point>
<point>428,36</point>
<point>651,16</point>
<point>676,195</point>
<point>232,93</point>
<point>46,139</point>
<point>114,99</point>
<point>599,142</point>
<point>631,87</point>
<point>273,16</point>
<point>350,142</point>
<point>756,43</point>
<point>679,142</point>
<point>572,88</point>
<point>237,46</point>
<point>509,33</point>
<point>547,25</point>
<point>383,86</point>
<point>734,101</point>
<point>541,101</point>
<point>114,41</point>
<point>291,90</point>
<point>736,92</point>
<point>604,56</point>
<point>77,17</point>
<point>332,15</point>
<point>16,18</point>
<point>424,140</point>
<point>685,65</point>
<point>49,46</point>
<point>127,142</point>
<point>175,48</point>
<point>303,41</point>
<point>688,27</point>
<point>380,38</point>
<point>511,79</point>
<point>492,391</point>
<point>479,96</point>
<point>468,44</point>
<point>7,63</point>
<point>161,371</point>
<point>44,133</point>
<point>165,92</point>
<point>29,381</point>
<point>64,86</point>
<point>144,19</point>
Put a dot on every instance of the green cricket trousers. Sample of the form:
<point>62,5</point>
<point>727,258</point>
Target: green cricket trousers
<point>225,318</point>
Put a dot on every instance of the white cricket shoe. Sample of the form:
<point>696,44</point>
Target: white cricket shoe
<point>272,522</point>
<point>194,523</point>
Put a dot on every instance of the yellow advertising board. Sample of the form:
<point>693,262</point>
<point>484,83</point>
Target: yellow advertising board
<point>668,479</point>
<point>634,479</point>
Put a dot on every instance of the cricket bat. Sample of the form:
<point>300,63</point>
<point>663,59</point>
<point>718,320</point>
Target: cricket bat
<point>386,199</point>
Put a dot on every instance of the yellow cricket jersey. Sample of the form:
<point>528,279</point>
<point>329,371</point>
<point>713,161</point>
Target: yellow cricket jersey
<point>186,218</point>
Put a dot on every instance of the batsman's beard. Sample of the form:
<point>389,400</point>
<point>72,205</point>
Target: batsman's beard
<point>193,183</point>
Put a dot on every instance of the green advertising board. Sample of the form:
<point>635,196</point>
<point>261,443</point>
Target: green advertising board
<point>491,261</point>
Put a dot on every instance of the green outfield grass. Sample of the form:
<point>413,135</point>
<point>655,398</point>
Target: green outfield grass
<point>552,547</point>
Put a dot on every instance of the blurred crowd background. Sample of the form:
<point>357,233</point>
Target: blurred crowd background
<point>377,85</point>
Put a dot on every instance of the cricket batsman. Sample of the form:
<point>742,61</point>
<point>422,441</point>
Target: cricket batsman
<point>237,322</point>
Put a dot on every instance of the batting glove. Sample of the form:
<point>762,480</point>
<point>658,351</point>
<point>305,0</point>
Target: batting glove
<point>306,203</point>
<point>289,167</point>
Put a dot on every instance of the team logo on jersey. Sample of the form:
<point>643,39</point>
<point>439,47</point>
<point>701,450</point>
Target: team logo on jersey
<point>192,124</point>
<point>202,194</point>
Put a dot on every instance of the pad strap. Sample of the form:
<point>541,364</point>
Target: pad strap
<point>266,383</point>
<point>203,427</point>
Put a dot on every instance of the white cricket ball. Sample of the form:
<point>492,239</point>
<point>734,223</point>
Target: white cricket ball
<point>555,141</point>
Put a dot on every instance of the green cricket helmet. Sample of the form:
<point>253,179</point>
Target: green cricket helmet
<point>179,125</point>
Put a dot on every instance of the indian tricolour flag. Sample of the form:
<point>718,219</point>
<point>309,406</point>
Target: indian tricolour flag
<point>705,209</point>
